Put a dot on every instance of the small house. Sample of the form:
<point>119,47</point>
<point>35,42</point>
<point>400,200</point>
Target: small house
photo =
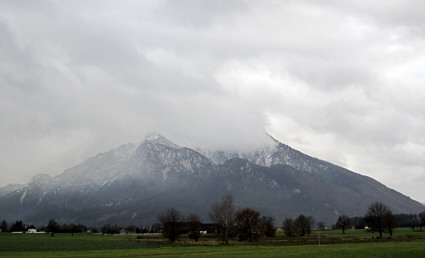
<point>32,229</point>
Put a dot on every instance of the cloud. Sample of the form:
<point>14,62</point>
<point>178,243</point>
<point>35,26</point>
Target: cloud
<point>342,81</point>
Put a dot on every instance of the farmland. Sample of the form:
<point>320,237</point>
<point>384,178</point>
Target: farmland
<point>355,243</point>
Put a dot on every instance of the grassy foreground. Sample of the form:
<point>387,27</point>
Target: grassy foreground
<point>88,245</point>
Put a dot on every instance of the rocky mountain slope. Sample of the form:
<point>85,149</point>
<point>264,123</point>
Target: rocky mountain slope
<point>134,183</point>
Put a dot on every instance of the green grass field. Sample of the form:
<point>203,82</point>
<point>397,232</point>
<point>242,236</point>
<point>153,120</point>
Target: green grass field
<point>355,243</point>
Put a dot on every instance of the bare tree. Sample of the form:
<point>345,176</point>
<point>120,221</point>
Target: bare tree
<point>52,227</point>
<point>303,226</point>
<point>390,222</point>
<point>415,223</point>
<point>106,229</point>
<point>269,229</point>
<point>289,227</point>
<point>223,214</point>
<point>170,222</point>
<point>422,217</point>
<point>374,217</point>
<point>111,229</point>
<point>343,222</point>
<point>248,224</point>
<point>195,226</point>
<point>311,220</point>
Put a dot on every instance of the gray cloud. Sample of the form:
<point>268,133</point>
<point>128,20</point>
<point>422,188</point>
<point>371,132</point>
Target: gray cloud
<point>343,81</point>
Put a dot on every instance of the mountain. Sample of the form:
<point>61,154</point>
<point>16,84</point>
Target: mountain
<point>134,183</point>
<point>10,188</point>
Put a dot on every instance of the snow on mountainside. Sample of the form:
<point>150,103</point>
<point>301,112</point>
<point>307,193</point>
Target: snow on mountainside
<point>156,138</point>
<point>135,182</point>
<point>274,154</point>
<point>10,188</point>
<point>98,170</point>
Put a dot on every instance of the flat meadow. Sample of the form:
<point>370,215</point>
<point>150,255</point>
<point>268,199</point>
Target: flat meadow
<point>355,243</point>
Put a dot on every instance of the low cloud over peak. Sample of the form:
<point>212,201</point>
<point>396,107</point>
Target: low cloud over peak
<point>340,81</point>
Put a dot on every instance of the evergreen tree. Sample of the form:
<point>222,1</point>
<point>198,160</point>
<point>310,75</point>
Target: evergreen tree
<point>4,226</point>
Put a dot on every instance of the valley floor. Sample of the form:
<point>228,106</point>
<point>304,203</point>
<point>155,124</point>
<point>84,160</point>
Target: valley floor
<point>332,244</point>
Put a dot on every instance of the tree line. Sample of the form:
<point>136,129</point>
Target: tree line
<point>379,218</point>
<point>54,227</point>
<point>228,222</point>
<point>414,221</point>
<point>246,224</point>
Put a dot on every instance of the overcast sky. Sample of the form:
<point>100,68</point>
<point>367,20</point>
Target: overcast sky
<point>342,81</point>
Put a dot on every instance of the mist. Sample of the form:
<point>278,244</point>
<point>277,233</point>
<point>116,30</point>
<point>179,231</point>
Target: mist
<point>340,81</point>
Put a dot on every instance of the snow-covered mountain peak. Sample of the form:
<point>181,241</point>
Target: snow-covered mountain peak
<point>157,138</point>
<point>132,182</point>
<point>124,151</point>
<point>261,156</point>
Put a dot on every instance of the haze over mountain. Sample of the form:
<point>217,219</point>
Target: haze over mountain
<point>340,80</point>
<point>134,183</point>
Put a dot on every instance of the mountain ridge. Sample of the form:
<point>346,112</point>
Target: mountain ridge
<point>135,182</point>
